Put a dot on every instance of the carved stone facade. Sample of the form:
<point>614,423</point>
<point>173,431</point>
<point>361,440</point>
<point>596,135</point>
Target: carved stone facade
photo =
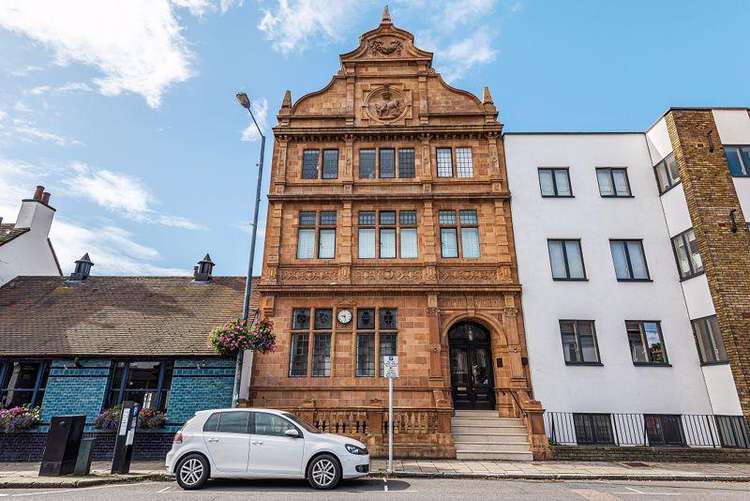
<point>387,95</point>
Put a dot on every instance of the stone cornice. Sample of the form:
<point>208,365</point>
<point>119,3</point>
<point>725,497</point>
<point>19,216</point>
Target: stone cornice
<point>392,196</point>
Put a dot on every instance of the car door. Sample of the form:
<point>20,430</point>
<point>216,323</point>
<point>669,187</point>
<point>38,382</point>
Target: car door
<point>227,438</point>
<point>272,452</point>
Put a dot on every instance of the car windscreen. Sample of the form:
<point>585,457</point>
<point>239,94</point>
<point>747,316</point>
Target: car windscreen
<point>301,423</point>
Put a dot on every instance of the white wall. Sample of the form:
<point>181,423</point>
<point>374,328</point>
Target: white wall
<point>29,253</point>
<point>618,386</point>
<point>734,129</point>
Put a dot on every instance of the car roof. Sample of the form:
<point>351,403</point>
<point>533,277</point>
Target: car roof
<point>247,409</point>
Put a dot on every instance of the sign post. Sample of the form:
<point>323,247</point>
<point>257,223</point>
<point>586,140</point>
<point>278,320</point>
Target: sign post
<point>125,435</point>
<point>390,370</point>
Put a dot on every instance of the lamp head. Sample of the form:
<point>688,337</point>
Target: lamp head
<point>243,100</point>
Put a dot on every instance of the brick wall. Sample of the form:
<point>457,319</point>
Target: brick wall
<point>75,390</point>
<point>711,195</point>
<point>657,454</point>
<point>199,384</point>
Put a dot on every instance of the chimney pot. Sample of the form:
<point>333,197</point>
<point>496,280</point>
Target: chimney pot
<point>82,270</point>
<point>38,193</point>
<point>202,272</point>
<point>45,198</point>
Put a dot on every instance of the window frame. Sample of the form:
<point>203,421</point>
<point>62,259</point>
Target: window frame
<point>397,164</point>
<point>598,362</point>
<point>317,228</point>
<point>676,418</point>
<point>644,343</point>
<point>610,171</point>
<point>744,165</point>
<point>323,163</point>
<point>671,182</point>
<point>378,226</point>
<point>40,381</point>
<point>457,168</point>
<point>162,394</point>
<point>413,162</point>
<point>590,418</point>
<point>457,228</point>
<point>310,333</point>
<point>437,162</point>
<point>629,261</point>
<point>567,278</point>
<point>555,188</point>
<point>686,243</point>
<point>317,164</point>
<point>705,320</point>
<point>376,332</point>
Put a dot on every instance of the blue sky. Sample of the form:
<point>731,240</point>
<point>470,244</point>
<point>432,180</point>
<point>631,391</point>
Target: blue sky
<point>125,111</point>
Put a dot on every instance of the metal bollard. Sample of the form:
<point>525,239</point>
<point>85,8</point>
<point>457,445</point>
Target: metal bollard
<point>83,462</point>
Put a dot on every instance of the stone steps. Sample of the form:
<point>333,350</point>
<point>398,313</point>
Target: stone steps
<point>485,435</point>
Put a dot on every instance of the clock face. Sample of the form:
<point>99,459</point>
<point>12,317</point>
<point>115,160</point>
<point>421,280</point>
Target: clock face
<point>344,316</point>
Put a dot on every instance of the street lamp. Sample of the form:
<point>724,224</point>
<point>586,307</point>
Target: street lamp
<point>245,103</point>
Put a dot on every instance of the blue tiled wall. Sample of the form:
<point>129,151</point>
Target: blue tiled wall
<point>199,384</point>
<point>75,390</point>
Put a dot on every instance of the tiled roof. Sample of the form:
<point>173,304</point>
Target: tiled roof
<point>115,316</point>
<point>8,232</point>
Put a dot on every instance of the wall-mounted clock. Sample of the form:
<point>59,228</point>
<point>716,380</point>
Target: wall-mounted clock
<point>344,316</point>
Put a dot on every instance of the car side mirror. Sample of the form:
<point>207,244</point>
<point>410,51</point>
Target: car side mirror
<point>292,433</point>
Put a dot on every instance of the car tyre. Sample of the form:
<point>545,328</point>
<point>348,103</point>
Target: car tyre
<point>324,472</point>
<point>192,472</point>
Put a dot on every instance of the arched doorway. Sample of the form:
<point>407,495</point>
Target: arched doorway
<point>471,366</point>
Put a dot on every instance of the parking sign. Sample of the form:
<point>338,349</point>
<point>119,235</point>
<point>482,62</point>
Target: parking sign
<point>390,366</point>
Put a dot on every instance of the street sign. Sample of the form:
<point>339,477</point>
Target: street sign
<point>390,366</point>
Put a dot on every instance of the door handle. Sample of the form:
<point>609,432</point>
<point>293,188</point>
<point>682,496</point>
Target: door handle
<point>256,442</point>
<point>212,440</point>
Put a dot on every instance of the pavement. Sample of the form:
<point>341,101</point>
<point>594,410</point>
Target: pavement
<point>413,489</point>
<point>25,475</point>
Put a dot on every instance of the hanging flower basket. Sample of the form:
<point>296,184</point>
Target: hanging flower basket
<point>148,419</point>
<point>19,418</point>
<point>235,336</point>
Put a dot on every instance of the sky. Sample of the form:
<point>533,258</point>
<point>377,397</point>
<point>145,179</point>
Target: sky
<point>125,111</point>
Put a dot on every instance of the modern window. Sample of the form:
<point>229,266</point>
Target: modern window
<point>464,163</point>
<point>738,158</point>
<point>367,164</point>
<point>613,182</point>
<point>593,429</point>
<point>383,233</point>
<point>330,164</point>
<point>664,429</point>
<point>145,382</point>
<point>310,164</point>
<point>311,326</point>
<point>444,158</point>
<point>566,260</point>
<point>689,262</point>
<point>406,167</point>
<point>382,163</point>
<point>710,341</point>
<point>375,327</point>
<point>555,182</point>
<point>316,226</point>
<point>646,342</point>
<point>733,431</point>
<point>629,260</point>
<point>467,226</point>
<point>22,383</point>
<point>667,173</point>
<point>579,342</point>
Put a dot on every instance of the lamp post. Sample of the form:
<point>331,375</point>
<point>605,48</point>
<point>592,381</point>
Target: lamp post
<point>245,103</point>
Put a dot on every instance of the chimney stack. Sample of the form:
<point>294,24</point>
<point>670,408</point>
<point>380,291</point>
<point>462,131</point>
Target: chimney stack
<point>36,213</point>
<point>202,272</point>
<point>83,269</point>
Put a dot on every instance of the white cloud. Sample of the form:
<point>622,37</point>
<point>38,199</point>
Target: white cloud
<point>292,24</point>
<point>20,129</point>
<point>260,110</point>
<point>60,89</point>
<point>26,70</point>
<point>137,45</point>
<point>461,56</point>
<point>2,115</point>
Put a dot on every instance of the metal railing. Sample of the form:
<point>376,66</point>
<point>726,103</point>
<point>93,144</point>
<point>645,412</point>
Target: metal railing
<point>647,430</point>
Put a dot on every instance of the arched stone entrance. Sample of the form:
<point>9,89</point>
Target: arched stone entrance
<point>472,379</point>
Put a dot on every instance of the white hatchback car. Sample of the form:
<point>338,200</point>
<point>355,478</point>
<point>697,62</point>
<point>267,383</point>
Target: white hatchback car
<point>262,443</point>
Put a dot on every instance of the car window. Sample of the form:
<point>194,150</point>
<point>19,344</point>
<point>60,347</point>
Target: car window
<point>271,424</point>
<point>212,423</point>
<point>234,422</point>
<point>301,423</point>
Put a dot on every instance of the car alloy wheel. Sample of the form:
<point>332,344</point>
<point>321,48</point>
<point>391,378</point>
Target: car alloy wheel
<point>192,472</point>
<point>324,473</point>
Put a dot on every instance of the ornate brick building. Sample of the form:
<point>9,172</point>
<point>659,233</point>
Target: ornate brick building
<point>389,232</point>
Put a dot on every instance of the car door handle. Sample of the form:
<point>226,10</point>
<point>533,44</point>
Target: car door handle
<point>212,440</point>
<point>256,442</point>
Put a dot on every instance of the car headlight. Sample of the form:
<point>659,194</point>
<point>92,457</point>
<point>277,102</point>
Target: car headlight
<point>353,449</point>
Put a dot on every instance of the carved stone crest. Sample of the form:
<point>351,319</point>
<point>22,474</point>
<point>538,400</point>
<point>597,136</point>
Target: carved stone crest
<point>385,46</point>
<point>385,104</point>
